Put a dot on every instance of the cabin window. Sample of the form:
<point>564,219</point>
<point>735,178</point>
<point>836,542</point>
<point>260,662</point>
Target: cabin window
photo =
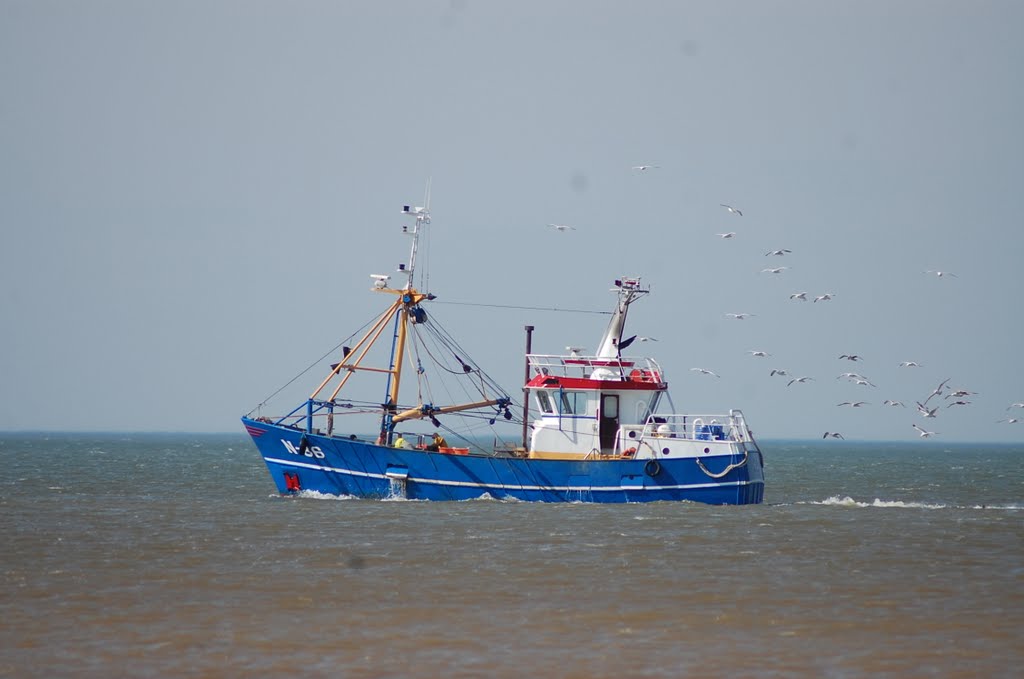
<point>573,402</point>
<point>544,402</point>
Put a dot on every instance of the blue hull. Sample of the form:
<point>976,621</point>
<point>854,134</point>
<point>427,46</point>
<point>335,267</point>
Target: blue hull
<point>341,466</point>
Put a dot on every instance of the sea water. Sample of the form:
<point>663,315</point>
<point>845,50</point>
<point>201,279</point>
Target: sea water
<point>156,555</point>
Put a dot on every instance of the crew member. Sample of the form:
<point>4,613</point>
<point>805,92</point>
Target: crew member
<point>400,442</point>
<point>437,443</point>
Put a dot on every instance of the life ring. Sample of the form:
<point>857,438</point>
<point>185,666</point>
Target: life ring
<point>652,468</point>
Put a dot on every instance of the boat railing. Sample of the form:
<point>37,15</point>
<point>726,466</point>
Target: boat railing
<point>637,369</point>
<point>727,427</point>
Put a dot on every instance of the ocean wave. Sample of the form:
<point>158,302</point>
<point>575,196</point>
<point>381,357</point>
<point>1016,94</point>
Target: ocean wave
<point>848,501</point>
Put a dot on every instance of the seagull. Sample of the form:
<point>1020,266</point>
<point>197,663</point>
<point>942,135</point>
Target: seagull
<point>856,404</point>
<point>824,298</point>
<point>1015,405</point>
<point>704,371</point>
<point>850,357</point>
<point>925,412</point>
<point>924,434</point>
<point>940,274</point>
<point>1010,420</point>
<point>647,339</point>
<point>850,376</point>
<point>959,403</point>
<point>938,390</point>
<point>799,379</point>
<point>864,383</point>
<point>773,373</point>
<point>777,270</point>
<point>731,209</point>
<point>642,168</point>
<point>890,402</point>
<point>726,235</point>
<point>739,317</point>
<point>960,393</point>
<point>833,434</point>
<point>778,252</point>
<point>802,296</point>
<point>909,364</point>
<point>760,354</point>
<point>562,227</point>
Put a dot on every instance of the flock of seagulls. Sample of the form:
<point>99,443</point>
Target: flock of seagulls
<point>925,410</point>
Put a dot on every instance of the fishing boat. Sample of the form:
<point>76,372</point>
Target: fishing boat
<point>591,426</point>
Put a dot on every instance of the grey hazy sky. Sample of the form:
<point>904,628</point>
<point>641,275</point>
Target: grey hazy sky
<point>193,194</point>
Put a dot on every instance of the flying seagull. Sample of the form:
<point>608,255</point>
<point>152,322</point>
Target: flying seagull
<point>890,402</point>
<point>775,372</point>
<point>824,298</point>
<point>960,393</point>
<point>641,168</point>
<point>739,317</point>
<point>941,274</point>
<point>1010,420</point>
<point>562,227</point>
<point>938,390</point>
<point>647,339</point>
<point>802,296</point>
<point>925,412</point>
<point>909,364</point>
<point>760,354</point>
<point>776,270</point>
<point>704,371</point>
<point>778,252</point>
<point>850,357</point>
<point>799,379</point>
<point>924,434</point>
<point>731,209</point>
<point>730,234</point>
<point>1015,405</point>
<point>832,434</point>
<point>864,383</point>
<point>854,404</point>
<point>959,403</point>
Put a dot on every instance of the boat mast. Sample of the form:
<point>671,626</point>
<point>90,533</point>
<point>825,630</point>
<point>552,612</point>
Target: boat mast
<point>409,298</point>
<point>629,290</point>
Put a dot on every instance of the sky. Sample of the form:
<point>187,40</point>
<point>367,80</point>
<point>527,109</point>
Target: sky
<point>194,194</point>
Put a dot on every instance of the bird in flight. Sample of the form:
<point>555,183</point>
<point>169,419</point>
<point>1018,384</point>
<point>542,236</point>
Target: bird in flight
<point>941,274</point>
<point>925,412</point>
<point>731,209</point>
<point>562,227</point>
<point>776,371</point>
<point>850,357</point>
<point>801,380</point>
<point>1015,405</point>
<point>705,371</point>
<point>864,383</point>
<point>730,234</point>
<point>824,298</point>
<point>647,339</point>
<point>959,403</point>
<point>938,390</point>
<point>1010,420</point>
<point>853,404</point>
<point>775,270</point>
<point>832,434</point>
<point>924,434</point>
<point>739,317</point>
<point>802,296</point>
<point>961,393</point>
<point>759,354</point>
<point>909,364</point>
<point>643,168</point>
<point>890,402</point>
<point>778,253</point>
<point>850,376</point>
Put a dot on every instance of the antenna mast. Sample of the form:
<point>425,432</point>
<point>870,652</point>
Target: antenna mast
<point>422,216</point>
